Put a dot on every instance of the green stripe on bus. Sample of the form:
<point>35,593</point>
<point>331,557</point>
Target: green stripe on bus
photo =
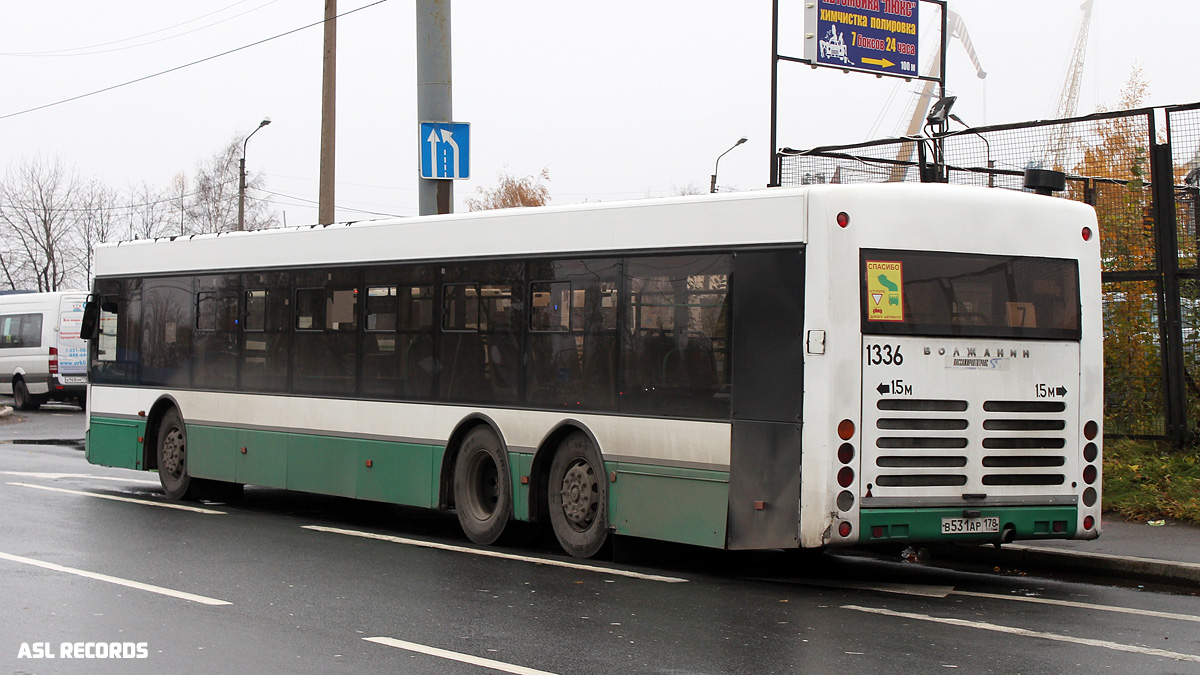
<point>925,525</point>
<point>668,503</point>
<point>689,506</point>
<point>115,442</point>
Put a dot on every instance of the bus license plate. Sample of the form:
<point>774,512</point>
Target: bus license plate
<point>970,525</point>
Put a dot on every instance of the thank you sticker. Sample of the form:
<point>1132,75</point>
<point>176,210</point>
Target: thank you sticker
<point>885,290</point>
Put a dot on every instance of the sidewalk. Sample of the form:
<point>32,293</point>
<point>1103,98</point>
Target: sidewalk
<point>1133,551</point>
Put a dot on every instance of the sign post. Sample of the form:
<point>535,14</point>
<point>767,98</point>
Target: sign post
<point>879,37</point>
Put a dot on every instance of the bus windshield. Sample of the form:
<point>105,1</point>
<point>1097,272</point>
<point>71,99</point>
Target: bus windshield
<point>968,294</point>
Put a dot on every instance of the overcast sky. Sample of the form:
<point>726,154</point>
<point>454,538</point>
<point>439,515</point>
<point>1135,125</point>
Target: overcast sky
<point>619,100</point>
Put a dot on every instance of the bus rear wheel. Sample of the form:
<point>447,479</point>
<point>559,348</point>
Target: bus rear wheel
<point>22,399</point>
<point>482,486</point>
<point>578,497</point>
<point>172,457</point>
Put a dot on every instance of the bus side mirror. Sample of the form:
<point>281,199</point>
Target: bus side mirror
<point>89,327</point>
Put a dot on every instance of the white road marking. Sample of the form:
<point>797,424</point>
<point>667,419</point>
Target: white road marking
<point>145,502</point>
<point>499,554</point>
<point>997,628</point>
<point>455,656</point>
<point>919,590</point>
<point>1082,605</point>
<point>114,580</point>
<point>60,476</point>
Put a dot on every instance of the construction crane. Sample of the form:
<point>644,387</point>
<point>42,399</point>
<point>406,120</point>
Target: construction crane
<point>958,29</point>
<point>1069,97</point>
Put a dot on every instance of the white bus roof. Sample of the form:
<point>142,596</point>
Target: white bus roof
<point>769,216</point>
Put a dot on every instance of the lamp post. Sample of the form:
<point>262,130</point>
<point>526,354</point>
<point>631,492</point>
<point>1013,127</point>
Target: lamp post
<point>712,188</point>
<point>242,177</point>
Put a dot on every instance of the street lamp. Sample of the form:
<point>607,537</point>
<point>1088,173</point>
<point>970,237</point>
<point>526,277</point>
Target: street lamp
<point>712,188</point>
<point>242,177</point>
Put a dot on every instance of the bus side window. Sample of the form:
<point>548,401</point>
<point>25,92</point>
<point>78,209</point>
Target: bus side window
<point>115,357</point>
<point>325,353</point>
<point>266,331</point>
<point>676,342</point>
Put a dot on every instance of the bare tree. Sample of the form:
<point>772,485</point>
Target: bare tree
<point>214,203</point>
<point>150,212</point>
<point>512,192</point>
<point>179,200</point>
<point>97,222</point>
<point>39,201</point>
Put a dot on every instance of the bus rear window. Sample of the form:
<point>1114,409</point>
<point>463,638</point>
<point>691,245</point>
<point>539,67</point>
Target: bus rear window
<point>968,294</point>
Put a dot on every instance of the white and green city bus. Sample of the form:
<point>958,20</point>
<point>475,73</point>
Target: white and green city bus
<point>786,368</point>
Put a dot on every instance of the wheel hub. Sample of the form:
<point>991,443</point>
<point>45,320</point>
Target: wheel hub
<point>173,453</point>
<point>578,491</point>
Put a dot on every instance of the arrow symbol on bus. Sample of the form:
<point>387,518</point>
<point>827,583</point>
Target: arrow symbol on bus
<point>879,62</point>
<point>1061,391</point>
<point>883,389</point>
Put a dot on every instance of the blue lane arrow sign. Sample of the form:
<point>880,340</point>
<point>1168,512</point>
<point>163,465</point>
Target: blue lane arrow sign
<point>445,150</point>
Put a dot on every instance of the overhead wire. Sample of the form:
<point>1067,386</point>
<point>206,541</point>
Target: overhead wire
<point>80,51</point>
<point>186,65</point>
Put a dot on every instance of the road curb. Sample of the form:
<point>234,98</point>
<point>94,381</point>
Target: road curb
<point>1104,564</point>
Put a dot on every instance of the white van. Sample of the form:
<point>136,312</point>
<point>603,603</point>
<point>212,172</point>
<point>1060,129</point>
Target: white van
<point>41,354</point>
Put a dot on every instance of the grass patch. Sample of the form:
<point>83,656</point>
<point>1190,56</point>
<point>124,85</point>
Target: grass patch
<point>1148,481</point>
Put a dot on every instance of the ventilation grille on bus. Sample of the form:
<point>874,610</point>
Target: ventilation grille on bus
<point>1028,437</point>
<point>1022,443</point>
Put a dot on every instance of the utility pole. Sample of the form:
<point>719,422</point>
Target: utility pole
<point>328,117</point>
<point>433,91</point>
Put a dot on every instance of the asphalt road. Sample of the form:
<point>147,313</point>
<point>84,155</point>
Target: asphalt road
<point>289,583</point>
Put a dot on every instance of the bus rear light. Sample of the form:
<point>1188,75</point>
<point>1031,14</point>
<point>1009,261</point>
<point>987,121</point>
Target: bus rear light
<point>877,532</point>
<point>843,219</point>
<point>845,453</point>
<point>1089,522</point>
<point>1089,497</point>
<point>845,500</point>
<point>1087,234</point>
<point>1089,474</point>
<point>1090,430</point>
<point>844,529</point>
<point>845,430</point>
<point>53,361</point>
<point>1090,452</point>
<point>1060,526</point>
<point>845,476</point>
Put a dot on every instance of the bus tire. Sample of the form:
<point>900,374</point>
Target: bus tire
<point>22,399</point>
<point>482,486</point>
<point>172,457</point>
<point>578,497</point>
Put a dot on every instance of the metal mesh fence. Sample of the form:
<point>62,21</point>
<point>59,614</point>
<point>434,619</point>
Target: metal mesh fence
<point>1108,164</point>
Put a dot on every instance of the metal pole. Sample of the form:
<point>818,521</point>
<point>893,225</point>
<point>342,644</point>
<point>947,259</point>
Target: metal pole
<point>1162,185</point>
<point>712,188</point>
<point>328,108</point>
<point>774,170</point>
<point>242,177</point>
<point>434,91</point>
<point>242,188</point>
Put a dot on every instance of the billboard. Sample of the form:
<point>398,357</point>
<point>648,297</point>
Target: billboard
<point>874,36</point>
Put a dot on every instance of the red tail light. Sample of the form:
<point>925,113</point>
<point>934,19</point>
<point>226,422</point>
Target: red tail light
<point>53,360</point>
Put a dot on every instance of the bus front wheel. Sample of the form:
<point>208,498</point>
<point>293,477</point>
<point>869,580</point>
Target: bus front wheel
<point>482,486</point>
<point>578,497</point>
<point>172,457</point>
